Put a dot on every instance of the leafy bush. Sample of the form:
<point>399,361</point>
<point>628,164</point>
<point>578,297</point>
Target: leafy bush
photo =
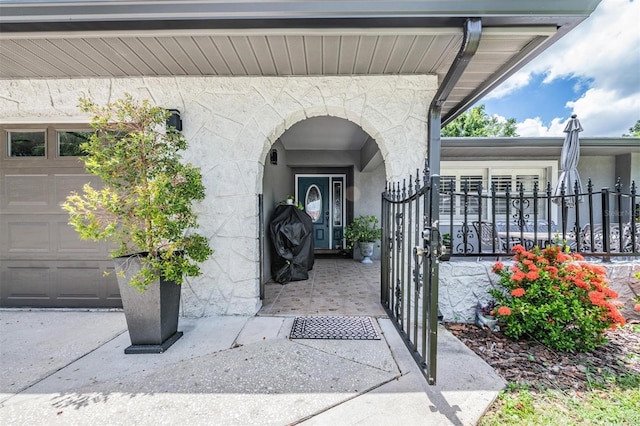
<point>145,202</point>
<point>555,298</point>
<point>363,229</point>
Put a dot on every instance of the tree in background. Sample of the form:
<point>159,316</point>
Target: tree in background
<point>477,123</point>
<point>633,131</point>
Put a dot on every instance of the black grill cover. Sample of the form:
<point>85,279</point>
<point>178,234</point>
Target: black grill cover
<point>292,242</point>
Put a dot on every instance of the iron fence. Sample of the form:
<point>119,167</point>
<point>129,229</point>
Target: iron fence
<point>479,222</point>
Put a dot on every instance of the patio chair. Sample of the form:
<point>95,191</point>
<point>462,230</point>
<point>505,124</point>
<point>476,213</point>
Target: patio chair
<point>488,234</point>
<point>597,245</point>
<point>628,240</point>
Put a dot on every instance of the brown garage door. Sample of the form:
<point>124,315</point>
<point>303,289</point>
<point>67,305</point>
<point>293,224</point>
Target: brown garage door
<point>43,263</point>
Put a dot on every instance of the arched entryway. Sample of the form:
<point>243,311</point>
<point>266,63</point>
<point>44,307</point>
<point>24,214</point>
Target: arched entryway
<point>335,171</point>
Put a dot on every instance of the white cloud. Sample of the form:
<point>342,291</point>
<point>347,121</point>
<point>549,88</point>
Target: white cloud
<point>534,127</point>
<point>515,82</point>
<point>606,112</point>
<point>604,52</point>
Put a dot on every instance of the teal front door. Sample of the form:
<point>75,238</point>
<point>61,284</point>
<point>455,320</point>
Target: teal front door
<point>323,199</point>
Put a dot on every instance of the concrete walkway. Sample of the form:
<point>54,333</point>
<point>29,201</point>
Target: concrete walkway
<point>68,368</point>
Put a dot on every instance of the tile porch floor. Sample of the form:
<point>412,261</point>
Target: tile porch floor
<point>336,286</point>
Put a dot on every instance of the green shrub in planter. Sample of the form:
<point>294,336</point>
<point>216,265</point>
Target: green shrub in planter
<point>145,204</point>
<point>363,229</point>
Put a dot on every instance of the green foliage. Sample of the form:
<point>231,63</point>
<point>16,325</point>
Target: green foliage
<point>606,378</point>
<point>477,123</point>
<point>633,131</point>
<point>615,406</point>
<point>362,229</point>
<point>446,240</point>
<point>550,296</point>
<point>145,202</point>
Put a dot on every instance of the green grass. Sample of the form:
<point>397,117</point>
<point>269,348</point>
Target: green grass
<point>613,401</point>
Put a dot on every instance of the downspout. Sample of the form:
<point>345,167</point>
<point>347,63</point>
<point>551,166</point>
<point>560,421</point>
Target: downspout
<point>470,42</point>
<point>432,243</point>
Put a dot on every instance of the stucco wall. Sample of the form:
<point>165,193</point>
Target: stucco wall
<point>231,124</point>
<point>465,283</point>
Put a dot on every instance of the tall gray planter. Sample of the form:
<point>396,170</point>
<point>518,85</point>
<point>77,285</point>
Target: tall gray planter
<point>152,316</point>
<point>366,249</point>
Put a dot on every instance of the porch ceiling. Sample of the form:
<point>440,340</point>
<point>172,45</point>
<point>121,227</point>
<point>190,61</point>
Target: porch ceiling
<point>56,39</point>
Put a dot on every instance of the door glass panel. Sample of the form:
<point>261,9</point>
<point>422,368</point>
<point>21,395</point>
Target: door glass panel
<point>337,203</point>
<point>313,203</point>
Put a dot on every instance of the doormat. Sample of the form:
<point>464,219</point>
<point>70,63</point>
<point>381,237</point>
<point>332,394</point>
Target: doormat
<point>336,328</point>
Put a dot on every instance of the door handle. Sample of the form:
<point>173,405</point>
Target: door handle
<point>327,216</point>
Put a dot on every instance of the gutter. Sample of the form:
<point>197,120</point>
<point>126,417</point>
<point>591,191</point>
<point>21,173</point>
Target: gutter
<point>378,11</point>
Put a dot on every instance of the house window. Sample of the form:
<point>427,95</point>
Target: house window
<point>469,181</point>
<point>471,176</point>
<point>26,143</point>
<point>69,142</point>
<point>514,180</point>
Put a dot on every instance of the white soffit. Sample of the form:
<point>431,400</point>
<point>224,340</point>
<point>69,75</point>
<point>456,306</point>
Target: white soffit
<point>264,52</point>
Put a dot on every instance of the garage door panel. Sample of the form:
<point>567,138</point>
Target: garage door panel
<point>26,191</point>
<point>59,284</point>
<point>67,242</point>
<point>45,236</point>
<point>26,281</point>
<point>113,292</point>
<point>41,192</point>
<point>28,237</point>
<point>65,184</point>
<point>80,283</point>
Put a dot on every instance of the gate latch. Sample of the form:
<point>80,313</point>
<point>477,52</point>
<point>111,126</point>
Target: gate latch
<point>419,251</point>
<point>427,234</point>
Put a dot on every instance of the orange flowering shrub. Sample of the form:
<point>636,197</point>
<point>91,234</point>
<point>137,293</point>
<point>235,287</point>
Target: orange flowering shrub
<point>555,298</point>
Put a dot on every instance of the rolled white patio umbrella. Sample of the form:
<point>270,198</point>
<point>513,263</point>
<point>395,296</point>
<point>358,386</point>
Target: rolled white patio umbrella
<point>569,164</point>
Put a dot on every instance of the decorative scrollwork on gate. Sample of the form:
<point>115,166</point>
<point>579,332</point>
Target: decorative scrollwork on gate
<point>418,256</point>
<point>399,228</point>
<point>398,304</point>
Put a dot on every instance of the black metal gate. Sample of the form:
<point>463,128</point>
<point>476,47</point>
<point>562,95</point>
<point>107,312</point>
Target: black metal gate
<point>411,245</point>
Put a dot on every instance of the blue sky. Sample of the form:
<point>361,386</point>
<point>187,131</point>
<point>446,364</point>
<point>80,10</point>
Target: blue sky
<point>593,71</point>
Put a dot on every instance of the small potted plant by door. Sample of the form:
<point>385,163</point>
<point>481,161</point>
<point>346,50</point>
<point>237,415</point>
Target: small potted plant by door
<point>144,209</point>
<point>364,232</point>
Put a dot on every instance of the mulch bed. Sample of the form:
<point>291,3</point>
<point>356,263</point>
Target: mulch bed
<point>531,364</point>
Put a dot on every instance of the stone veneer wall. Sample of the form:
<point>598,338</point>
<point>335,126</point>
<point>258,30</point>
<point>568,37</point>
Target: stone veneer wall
<point>464,283</point>
<point>230,123</point>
